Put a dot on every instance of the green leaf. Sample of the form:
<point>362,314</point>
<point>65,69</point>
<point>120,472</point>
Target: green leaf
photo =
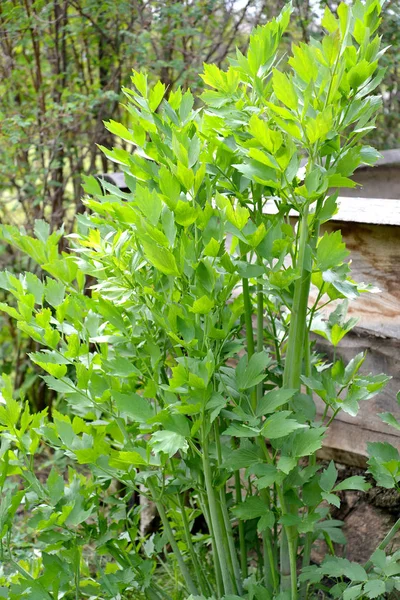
<point>119,130</point>
<point>134,406</point>
<point>357,482</point>
<point>185,176</point>
<point>303,63</point>
<point>331,251</point>
<point>267,476</point>
<point>10,409</point>
<point>306,442</point>
<point>252,508</point>
<point>284,89</point>
<point>64,386</point>
<point>269,138</point>
<point>54,292</point>
<point>328,477</point>
<point>156,95</point>
<point>126,460</point>
<point>353,593</point>
<point>251,373</point>
<point>273,400</point>
<point>149,203</point>
<point>185,213</point>
<point>286,464</point>
<point>329,21</point>
<point>339,567</point>
<point>162,259</point>
<point>241,459</point>
<point>374,588</point>
<point>212,248</point>
<point>237,430</point>
<point>279,425</point>
<point>238,215</point>
<point>318,128</point>
<point>390,420</point>
<point>331,499</point>
<point>202,305</point>
<point>267,521</point>
<point>55,486</point>
<point>256,171</point>
<point>168,442</point>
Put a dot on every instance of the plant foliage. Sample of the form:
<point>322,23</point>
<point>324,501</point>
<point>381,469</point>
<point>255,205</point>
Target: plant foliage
<point>185,370</point>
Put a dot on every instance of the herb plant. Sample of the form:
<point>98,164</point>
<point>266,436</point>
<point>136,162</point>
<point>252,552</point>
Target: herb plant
<point>177,333</point>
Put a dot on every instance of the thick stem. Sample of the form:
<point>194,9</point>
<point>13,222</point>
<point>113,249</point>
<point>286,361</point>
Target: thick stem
<point>227,523</point>
<point>171,539</point>
<point>292,379</point>
<point>199,573</point>
<point>217,566</point>
<point>214,517</point>
<point>298,318</point>
<point>230,550</point>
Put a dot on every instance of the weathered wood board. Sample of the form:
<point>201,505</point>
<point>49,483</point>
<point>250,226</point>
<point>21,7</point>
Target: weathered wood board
<point>375,256</point>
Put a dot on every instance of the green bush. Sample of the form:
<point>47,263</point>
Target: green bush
<point>186,371</point>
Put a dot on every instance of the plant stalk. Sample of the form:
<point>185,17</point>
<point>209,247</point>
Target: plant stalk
<point>217,566</point>
<point>298,318</point>
<point>227,522</point>
<point>202,582</point>
<point>215,520</point>
<point>242,538</point>
<point>171,539</point>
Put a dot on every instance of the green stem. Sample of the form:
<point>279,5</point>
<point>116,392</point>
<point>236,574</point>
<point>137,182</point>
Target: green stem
<point>171,539</point>
<point>260,307</point>
<point>386,541</point>
<point>242,538</point>
<point>232,555</point>
<point>275,334</point>
<point>298,318</point>
<point>229,545</point>
<point>306,563</point>
<point>202,582</point>
<point>248,314</point>
<point>260,331</point>
<point>215,520</point>
<point>217,566</point>
<point>270,574</point>
<point>292,379</point>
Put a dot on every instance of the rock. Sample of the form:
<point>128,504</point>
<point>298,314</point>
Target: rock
<point>365,527</point>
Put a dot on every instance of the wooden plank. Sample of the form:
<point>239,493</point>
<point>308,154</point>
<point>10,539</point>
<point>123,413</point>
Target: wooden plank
<point>375,259</point>
<point>117,179</point>
<point>373,211</point>
<point>348,436</point>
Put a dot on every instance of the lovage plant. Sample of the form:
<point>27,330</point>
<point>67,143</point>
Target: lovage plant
<point>186,370</point>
